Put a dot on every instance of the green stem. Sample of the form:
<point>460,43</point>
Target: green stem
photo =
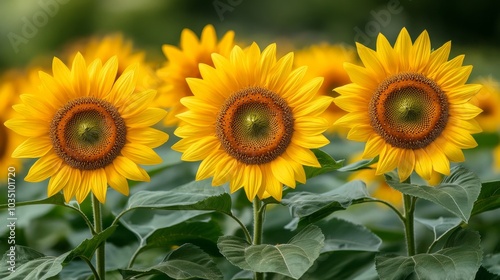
<point>243,227</point>
<point>96,209</point>
<point>258,220</point>
<point>409,209</point>
<point>394,209</point>
<point>92,268</point>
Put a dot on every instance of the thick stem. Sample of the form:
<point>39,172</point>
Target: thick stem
<point>258,220</point>
<point>96,209</point>
<point>409,208</point>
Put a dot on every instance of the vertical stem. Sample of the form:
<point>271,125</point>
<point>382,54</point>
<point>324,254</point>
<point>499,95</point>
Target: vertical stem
<point>409,208</point>
<point>258,219</point>
<point>96,209</point>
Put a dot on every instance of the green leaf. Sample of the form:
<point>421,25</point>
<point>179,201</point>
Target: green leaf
<point>359,165</point>
<point>328,164</point>
<point>489,198</point>
<point>308,207</point>
<point>292,259</point>
<point>201,233</point>
<point>197,195</point>
<point>87,248</point>
<point>34,265</point>
<point>440,226</point>
<point>492,263</point>
<point>460,258</point>
<point>341,235</point>
<point>186,262</point>
<point>57,199</point>
<point>456,193</point>
<point>342,265</point>
<point>40,268</point>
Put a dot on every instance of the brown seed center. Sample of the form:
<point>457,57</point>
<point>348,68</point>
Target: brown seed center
<point>88,133</point>
<point>255,125</point>
<point>409,110</point>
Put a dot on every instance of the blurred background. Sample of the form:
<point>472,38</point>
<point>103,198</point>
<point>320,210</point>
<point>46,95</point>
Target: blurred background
<point>31,29</point>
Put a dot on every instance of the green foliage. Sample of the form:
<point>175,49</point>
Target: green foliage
<point>492,263</point>
<point>459,258</point>
<point>328,164</point>
<point>185,262</point>
<point>292,259</point>
<point>489,198</point>
<point>307,207</point>
<point>456,193</point>
<point>34,265</point>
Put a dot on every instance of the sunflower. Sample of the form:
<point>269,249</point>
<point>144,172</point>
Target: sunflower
<point>326,60</point>
<point>183,63</point>
<point>88,129</point>
<point>105,47</point>
<point>252,121</point>
<point>410,105</point>
<point>11,83</point>
<point>488,99</point>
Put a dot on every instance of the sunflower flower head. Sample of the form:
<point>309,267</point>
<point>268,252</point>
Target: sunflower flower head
<point>327,61</point>
<point>252,121</point>
<point>89,129</point>
<point>488,100</point>
<point>411,105</point>
<point>183,63</point>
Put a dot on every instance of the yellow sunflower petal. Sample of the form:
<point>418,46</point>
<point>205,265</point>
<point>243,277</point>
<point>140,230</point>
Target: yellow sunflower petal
<point>85,186</point>
<point>75,179</point>
<point>388,161</point>
<point>33,148</point>
<point>129,169</point>
<point>28,127</point>
<point>406,164</point>
<point>423,164</point>
<point>253,176</point>
<point>148,117</point>
<point>43,168</point>
<point>283,171</point>
<point>273,187</point>
<point>59,180</point>
<point>147,136</point>
<point>99,185</point>
<point>116,180</point>
<point>141,154</point>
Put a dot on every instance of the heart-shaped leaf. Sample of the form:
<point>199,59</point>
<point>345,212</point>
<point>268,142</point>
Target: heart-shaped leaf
<point>292,259</point>
<point>459,259</point>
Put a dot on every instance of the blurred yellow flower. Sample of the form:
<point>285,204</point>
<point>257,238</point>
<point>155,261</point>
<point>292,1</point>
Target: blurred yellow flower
<point>410,105</point>
<point>252,121</point>
<point>105,47</point>
<point>12,83</point>
<point>325,60</point>
<point>88,128</point>
<point>183,63</point>
<point>488,99</point>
